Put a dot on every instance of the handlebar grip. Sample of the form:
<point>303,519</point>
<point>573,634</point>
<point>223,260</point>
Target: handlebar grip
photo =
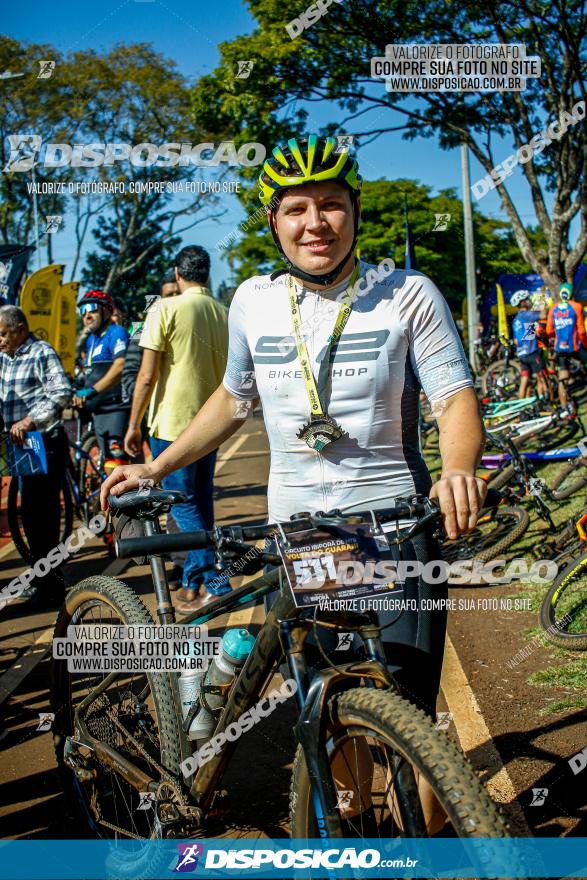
<point>151,545</point>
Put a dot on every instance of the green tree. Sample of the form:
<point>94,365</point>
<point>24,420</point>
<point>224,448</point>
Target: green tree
<point>129,95</point>
<point>330,63</point>
<point>137,278</point>
<point>28,106</point>
<point>440,254</point>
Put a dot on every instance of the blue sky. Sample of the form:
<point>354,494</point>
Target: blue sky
<point>189,33</point>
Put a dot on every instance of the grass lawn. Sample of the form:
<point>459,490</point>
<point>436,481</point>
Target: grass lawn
<point>568,669</point>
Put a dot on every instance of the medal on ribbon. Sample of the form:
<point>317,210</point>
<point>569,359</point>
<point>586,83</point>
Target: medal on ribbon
<point>322,429</point>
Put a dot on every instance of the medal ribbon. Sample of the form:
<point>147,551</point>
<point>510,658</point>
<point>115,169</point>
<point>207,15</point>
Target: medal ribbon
<point>344,312</point>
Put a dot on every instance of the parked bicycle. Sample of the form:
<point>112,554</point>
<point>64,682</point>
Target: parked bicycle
<point>117,735</point>
<point>563,613</point>
<point>80,490</point>
<point>501,379</point>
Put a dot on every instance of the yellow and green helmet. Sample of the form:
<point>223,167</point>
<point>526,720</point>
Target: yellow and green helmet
<point>308,160</point>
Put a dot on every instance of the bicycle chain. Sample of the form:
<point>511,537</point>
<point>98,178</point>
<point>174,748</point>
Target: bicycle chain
<point>123,831</point>
<point>165,774</point>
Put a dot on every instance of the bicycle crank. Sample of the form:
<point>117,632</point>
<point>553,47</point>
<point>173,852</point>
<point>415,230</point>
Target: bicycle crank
<point>173,816</point>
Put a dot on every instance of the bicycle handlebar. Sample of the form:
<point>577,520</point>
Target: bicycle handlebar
<point>423,509</point>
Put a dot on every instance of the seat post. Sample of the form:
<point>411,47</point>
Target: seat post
<point>165,609</point>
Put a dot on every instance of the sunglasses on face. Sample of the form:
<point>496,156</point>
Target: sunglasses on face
<point>88,307</point>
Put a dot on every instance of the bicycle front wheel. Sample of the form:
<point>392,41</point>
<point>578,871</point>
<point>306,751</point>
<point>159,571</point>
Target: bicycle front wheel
<point>15,523</point>
<point>495,533</point>
<point>378,746</point>
<point>563,615</point>
<point>134,714</point>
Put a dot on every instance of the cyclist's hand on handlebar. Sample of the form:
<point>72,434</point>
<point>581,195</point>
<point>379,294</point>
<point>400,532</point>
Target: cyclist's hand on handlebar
<point>122,479</point>
<point>460,496</point>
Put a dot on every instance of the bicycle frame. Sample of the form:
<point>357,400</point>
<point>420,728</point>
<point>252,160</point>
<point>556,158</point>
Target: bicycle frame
<point>81,503</point>
<point>498,459</point>
<point>284,632</point>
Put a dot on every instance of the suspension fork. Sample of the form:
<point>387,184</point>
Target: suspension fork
<point>309,730</point>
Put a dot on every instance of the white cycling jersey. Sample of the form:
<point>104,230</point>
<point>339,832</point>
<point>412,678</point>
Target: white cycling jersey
<point>400,337</point>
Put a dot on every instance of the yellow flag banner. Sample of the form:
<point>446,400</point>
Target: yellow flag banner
<point>503,331</point>
<point>67,327</point>
<point>40,300</point>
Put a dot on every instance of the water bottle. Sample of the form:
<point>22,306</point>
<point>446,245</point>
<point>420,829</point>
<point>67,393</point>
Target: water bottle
<point>237,644</point>
<point>190,684</point>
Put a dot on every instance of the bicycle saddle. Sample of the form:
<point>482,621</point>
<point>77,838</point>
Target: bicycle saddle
<point>145,502</point>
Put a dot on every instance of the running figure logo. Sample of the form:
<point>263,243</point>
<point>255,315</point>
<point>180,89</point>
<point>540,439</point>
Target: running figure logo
<point>344,142</point>
<point>539,795</point>
<point>54,222</point>
<point>189,854</point>
<point>46,719</point>
<point>345,640</point>
<point>145,486</point>
<point>23,151</point>
<point>344,798</point>
<point>147,800</point>
<point>46,69</point>
<point>247,379</point>
<point>441,222</point>
<point>443,720</point>
<point>244,69</point>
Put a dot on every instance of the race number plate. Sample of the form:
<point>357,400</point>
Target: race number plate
<point>333,569</point>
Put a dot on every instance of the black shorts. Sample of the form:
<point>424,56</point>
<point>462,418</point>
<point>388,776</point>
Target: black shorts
<point>531,363</point>
<point>413,639</point>
<point>109,427</point>
<point>563,359</point>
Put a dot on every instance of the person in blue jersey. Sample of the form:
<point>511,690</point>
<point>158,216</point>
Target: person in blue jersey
<point>566,326</point>
<point>101,396</point>
<point>530,357</point>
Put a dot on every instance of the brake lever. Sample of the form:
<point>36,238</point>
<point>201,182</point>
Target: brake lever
<point>432,514</point>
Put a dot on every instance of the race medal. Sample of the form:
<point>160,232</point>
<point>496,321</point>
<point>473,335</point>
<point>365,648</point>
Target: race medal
<point>320,432</point>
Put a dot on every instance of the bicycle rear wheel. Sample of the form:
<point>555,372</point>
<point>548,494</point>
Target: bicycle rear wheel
<point>91,473</point>
<point>15,523</point>
<point>563,614</point>
<point>501,380</point>
<point>135,715</point>
<point>378,745</point>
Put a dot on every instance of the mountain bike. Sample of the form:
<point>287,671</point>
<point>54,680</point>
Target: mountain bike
<point>117,735</point>
<point>548,431</point>
<point>501,379</point>
<point>520,471</point>
<point>563,613</point>
<point>80,490</point>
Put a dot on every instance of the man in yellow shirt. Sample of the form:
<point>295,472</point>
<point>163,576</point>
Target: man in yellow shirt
<point>185,342</point>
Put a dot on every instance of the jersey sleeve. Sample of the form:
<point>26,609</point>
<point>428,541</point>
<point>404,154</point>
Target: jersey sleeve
<point>119,341</point>
<point>436,351</point>
<point>239,378</point>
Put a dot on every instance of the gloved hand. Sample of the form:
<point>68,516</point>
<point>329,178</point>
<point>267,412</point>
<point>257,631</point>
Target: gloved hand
<point>86,392</point>
<point>82,395</point>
